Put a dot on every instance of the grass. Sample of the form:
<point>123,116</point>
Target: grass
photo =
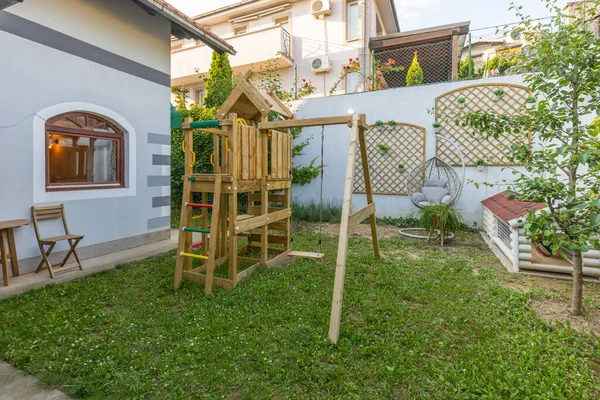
<point>423,322</point>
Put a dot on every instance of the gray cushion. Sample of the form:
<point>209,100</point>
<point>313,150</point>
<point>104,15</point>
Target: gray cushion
<point>446,199</point>
<point>435,194</point>
<point>418,197</point>
<point>435,183</point>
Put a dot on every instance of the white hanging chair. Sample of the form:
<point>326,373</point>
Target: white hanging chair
<point>435,181</point>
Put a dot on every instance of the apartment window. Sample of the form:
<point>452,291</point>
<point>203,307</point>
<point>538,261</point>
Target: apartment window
<point>352,21</point>
<point>198,96</point>
<point>83,151</point>
<point>240,30</point>
<point>284,22</point>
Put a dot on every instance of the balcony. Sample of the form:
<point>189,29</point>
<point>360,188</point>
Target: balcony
<point>269,48</point>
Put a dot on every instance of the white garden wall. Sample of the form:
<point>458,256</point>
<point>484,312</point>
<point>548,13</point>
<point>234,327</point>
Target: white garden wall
<point>407,104</point>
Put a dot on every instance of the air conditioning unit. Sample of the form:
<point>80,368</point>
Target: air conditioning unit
<point>320,7</point>
<point>321,64</point>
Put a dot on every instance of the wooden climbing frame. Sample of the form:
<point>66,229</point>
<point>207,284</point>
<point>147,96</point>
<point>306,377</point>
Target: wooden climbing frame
<point>254,156</point>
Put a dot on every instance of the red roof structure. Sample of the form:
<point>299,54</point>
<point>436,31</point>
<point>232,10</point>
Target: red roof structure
<point>506,209</point>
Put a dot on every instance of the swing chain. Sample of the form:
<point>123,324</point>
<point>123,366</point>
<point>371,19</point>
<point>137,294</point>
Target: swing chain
<point>321,188</point>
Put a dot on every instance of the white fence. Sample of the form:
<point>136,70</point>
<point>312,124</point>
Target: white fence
<point>407,104</point>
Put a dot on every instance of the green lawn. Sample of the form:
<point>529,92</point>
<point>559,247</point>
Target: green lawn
<point>424,322</point>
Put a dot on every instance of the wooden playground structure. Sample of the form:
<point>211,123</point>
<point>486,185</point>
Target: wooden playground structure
<point>254,156</point>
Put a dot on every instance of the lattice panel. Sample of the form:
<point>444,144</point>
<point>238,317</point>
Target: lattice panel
<point>407,147</point>
<point>474,146</point>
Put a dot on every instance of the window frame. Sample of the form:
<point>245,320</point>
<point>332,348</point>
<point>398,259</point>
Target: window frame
<point>241,26</point>
<point>117,136</point>
<point>347,21</point>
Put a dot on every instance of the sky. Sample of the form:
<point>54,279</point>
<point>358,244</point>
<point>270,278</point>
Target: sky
<point>417,14</point>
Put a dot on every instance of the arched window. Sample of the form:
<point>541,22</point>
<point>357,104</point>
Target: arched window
<point>83,151</point>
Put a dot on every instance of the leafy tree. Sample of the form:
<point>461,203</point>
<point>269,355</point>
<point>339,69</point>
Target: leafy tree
<point>502,64</point>
<point>563,170</point>
<point>414,76</point>
<point>219,83</point>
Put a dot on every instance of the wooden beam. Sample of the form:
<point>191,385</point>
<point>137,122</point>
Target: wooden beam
<point>247,272</point>
<point>454,57</point>
<point>359,216</point>
<point>262,220</point>
<point>340,267</point>
<point>368,190</point>
<point>279,260</point>
<point>298,123</point>
<point>201,278</point>
<point>214,235</point>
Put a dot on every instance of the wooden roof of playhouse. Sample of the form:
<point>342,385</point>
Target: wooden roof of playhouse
<point>508,209</point>
<point>250,103</point>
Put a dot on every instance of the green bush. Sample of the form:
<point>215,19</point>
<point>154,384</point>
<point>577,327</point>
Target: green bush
<point>414,76</point>
<point>308,210</point>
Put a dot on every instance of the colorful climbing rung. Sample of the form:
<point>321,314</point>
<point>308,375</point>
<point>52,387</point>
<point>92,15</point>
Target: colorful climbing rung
<point>198,205</point>
<point>186,229</point>
<point>194,245</point>
<point>198,256</point>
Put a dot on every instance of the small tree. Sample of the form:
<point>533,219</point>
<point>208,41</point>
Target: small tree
<point>467,65</point>
<point>563,170</point>
<point>219,83</point>
<point>414,76</point>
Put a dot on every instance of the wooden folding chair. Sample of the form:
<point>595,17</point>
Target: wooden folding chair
<point>52,212</point>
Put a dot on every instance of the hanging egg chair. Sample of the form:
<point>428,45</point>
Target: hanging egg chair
<point>433,182</point>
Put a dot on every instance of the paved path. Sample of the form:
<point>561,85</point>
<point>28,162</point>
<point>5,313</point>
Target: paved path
<point>16,384</point>
<point>27,282</point>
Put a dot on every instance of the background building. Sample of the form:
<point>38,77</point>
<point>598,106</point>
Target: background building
<point>303,39</point>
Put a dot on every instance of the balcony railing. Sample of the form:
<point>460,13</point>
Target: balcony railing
<point>286,43</point>
<point>253,50</point>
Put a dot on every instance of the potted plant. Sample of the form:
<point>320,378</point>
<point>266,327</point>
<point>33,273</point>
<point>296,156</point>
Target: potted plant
<point>383,147</point>
<point>480,164</point>
<point>441,218</point>
<point>401,168</point>
<point>497,94</point>
<point>391,123</point>
<point>379,125</point>
<point>461,102</point>
<point>530,102</point>
<point>436,127</point>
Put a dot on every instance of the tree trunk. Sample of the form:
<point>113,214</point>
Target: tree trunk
<point>577,283</point>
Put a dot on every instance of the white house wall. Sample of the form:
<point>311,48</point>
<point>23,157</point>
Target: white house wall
<point>407,104</point>
<point>40,81</point>
<point>97,23</point>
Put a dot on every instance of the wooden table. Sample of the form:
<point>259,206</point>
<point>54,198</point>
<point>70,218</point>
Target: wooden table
<point>6,229</point>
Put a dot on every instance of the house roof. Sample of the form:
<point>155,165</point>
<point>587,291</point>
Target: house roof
<point>508,209</point>
<point>183,26</point>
